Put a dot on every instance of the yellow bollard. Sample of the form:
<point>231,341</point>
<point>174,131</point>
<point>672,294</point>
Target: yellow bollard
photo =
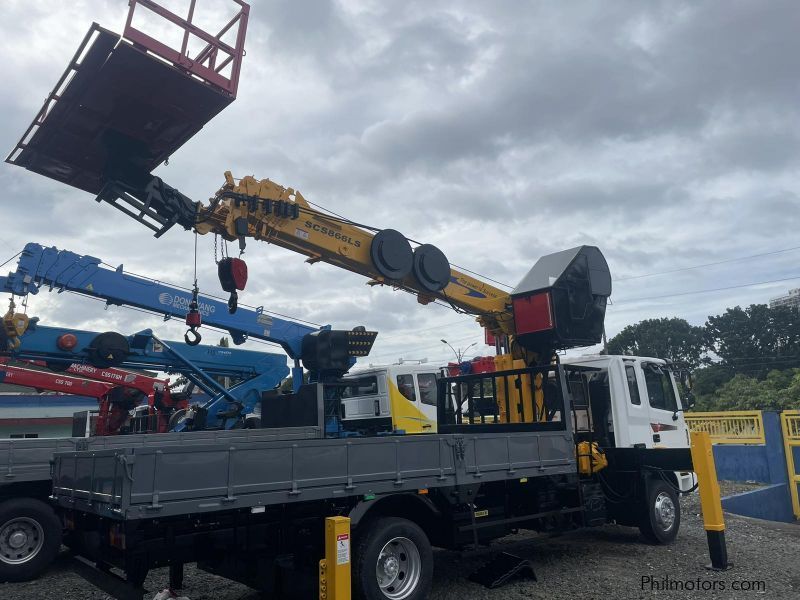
<point>710,502</point>
<point>334,569</point>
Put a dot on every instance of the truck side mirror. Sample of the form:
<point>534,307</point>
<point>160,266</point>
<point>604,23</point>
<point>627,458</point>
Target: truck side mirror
<point>689,400</point>
<point>686,378</point>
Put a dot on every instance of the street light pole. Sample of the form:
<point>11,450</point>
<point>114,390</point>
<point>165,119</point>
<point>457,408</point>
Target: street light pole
<point>459,353</point>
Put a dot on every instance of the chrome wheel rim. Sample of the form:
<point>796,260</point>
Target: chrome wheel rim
<point>665,511</point>
<point>398,568</point>
<point>21,539</point>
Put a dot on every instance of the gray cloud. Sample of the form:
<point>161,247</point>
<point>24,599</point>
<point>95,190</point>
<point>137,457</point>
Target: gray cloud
<point>664,132</point>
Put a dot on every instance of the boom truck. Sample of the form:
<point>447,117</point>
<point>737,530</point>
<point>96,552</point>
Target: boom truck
<point>520,447</point>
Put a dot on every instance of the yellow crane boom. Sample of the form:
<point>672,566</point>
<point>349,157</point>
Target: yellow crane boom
<point>266,211</point>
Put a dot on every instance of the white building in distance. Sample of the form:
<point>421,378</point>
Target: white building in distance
<point>791,299</point>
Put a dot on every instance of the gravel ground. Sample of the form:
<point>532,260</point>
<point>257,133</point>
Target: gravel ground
<point>606,562</point>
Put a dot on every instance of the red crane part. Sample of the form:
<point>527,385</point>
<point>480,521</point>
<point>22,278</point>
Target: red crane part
<point>232,274</point>
<point>121,389</point>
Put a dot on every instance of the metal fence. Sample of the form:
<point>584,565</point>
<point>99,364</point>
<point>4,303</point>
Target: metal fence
<point>790,424</point>
<point>733,427</point>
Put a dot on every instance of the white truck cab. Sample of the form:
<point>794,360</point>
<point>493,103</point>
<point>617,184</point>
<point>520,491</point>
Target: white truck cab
<point>635,403</point>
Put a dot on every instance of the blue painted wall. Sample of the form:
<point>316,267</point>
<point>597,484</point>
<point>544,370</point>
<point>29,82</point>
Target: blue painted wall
<point>771,502</point>
<point>762,463</point>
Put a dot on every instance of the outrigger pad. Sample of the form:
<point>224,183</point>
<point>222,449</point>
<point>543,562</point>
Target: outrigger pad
<point>501,569</point>
<point>121,114</point>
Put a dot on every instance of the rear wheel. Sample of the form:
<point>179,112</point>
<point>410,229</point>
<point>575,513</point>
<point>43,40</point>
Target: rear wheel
<point>393,561</point>
<point>661,517</point>
<point>30,537</point>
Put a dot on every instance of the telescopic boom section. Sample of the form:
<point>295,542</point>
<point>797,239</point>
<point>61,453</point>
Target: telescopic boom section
<point>559,304</point>
<point>264,210</point>
<point>52,382</point>
<point>114,400</point>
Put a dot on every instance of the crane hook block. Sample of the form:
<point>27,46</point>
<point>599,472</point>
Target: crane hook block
<point>192,337</point>
<point>391,254</point>
<point>194,319</point>
<point>232,276</point>
<point>431,268</point>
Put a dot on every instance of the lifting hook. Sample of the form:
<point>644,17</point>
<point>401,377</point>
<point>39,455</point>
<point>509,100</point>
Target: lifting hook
<point>193,320</point>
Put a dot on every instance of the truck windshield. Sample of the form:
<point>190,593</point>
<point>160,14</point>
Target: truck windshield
<point>363,386</point>
<point>659,388</point>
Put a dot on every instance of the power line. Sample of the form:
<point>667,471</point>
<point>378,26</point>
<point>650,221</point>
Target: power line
<point>670,271</point>
<point>409,331</point>
<point>719,289</point>
<point>418,349</point>
<point>213,296</point>
<point>711,264</point>
<point>10,259</point>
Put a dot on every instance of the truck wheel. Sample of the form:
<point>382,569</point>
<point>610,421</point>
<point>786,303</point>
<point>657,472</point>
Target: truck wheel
<point>661,516</point>
<point>393,560</point>
<point>30,538</point>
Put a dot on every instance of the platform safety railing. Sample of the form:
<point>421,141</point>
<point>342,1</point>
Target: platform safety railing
<point>731,427</point>
<point>527,399</point>
<point>211,62</point>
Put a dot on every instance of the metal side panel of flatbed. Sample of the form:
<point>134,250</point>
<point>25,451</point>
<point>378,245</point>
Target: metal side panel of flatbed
<point>146,482</point>
<point>27,460</point>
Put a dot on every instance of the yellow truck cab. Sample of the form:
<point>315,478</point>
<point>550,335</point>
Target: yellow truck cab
<point>397,397</point>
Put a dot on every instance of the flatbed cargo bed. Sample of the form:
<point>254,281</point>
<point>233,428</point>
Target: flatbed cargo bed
<point>157,481</point>
<point>29,460</point>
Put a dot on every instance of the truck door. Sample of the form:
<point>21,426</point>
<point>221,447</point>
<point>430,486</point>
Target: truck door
<point>634,426</point>
<point>667,427</point>
<point>407,408</point>
<point>426,383</point>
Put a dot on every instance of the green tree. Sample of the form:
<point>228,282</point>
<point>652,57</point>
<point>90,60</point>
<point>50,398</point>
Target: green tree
<point>669,338</point>
<point>706,380</point>
<point>755,340</point>
<point>779,390</point>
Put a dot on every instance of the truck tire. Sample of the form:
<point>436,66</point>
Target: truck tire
<point>393,560</point>
<point>30,538</point>
<point>661,514</point>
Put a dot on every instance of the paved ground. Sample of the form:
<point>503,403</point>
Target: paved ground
<point>607,562</point>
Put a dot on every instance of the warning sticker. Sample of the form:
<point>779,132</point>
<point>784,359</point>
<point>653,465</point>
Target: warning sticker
<point>343,549</point>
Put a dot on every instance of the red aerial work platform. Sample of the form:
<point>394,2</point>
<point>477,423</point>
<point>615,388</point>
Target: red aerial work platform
<point>126,103</point>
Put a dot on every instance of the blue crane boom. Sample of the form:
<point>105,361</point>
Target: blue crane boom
<point>143,350</point>
<point>322,350</point>
<point>64,270</point>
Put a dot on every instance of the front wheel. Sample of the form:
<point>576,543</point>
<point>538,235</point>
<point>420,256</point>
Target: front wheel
<point>393,560</point>
<point>661,517</point>
<point>30,537</point>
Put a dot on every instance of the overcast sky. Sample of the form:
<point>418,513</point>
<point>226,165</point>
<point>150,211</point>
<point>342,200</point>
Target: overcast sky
<point>666,133</point>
